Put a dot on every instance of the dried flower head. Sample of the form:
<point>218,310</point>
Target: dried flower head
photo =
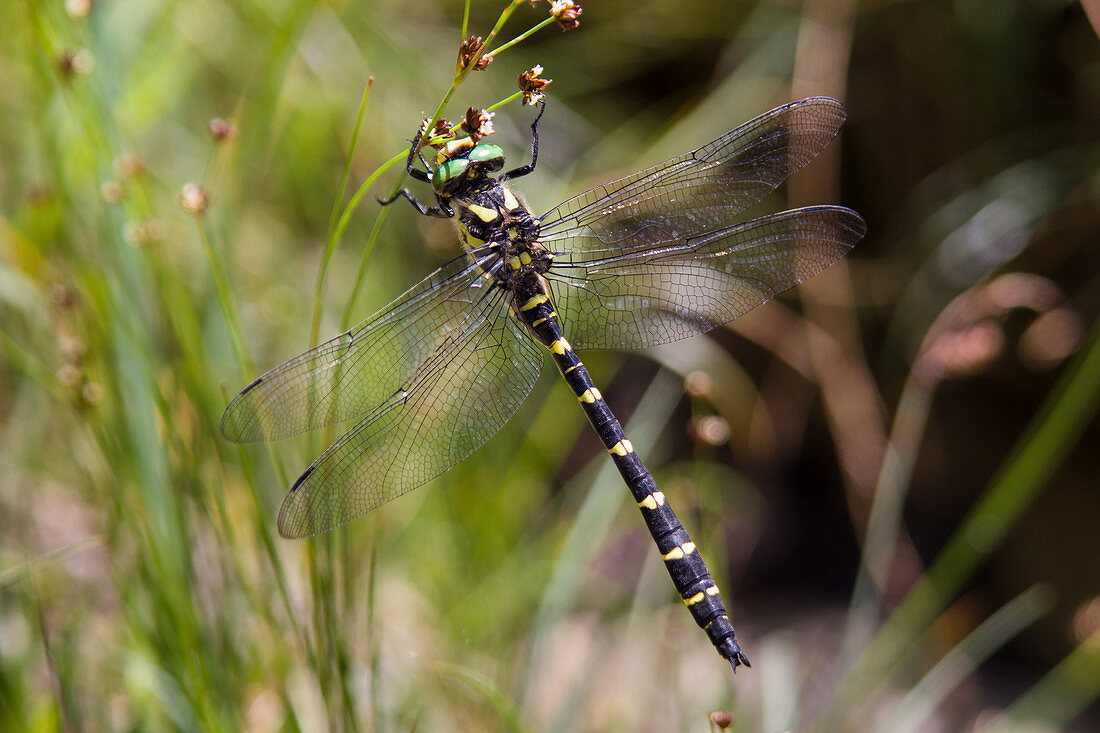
<point>722,719</point>
<point>222,129</point>
<point>62,297</point>
<point>469,49</point>
<point>74,61</point>
<point>194,198</point>
<point>478,123</point>
<point>531,84</point>
<point>566,13</point>
<point>442,128</point>
<point>78,8</point>
<point>91,393</point>
<point>129,165</point>
<point>72,349</point>
<point>69,375</point>
<point>111,191</point>
<point>143,233</point>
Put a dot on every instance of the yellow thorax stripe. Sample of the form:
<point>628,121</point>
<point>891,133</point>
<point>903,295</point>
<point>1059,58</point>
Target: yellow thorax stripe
<point>510,201</point>
<point>483,212</point>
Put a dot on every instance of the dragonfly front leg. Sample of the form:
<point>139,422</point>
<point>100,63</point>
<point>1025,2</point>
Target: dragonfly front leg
<point>525,169</point>
<point>414,153</point>
<point>442,211</point>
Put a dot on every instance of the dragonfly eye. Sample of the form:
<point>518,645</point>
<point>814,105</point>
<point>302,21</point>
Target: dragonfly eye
<point>488,156</point>
<point>448,175</point>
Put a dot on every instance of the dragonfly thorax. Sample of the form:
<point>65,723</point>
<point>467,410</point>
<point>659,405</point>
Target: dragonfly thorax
<point>494,215</point>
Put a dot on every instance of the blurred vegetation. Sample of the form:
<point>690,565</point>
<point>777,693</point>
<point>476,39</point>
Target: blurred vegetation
<point>892,476</point>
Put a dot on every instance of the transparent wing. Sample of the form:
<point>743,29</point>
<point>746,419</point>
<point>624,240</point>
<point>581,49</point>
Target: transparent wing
<point>454,402</point>
<point>698,191</point>
<point>660,291</point>
<point>351,374</point>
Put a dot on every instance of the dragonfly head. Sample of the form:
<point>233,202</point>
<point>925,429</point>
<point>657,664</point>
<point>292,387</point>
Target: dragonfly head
<point>462,164</point>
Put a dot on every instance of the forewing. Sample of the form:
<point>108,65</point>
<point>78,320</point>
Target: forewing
<point>346,377</point>
<point>459,397</point>
<point>660,292</point>
<point>698,191</point>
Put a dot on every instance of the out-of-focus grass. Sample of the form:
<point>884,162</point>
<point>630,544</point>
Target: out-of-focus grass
<point>141,583</point>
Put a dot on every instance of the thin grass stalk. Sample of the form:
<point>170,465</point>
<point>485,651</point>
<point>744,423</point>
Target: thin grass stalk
<point>883,524</point>
<point>332,236</point>
<point>1063,694</point>
<point>373,642</point>
<point>1068,410</point>
<point>592,524</point>
<point>505,709</point>
<point>1005,624</point>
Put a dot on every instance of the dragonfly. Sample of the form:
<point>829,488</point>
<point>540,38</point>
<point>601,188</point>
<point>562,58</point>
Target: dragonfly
<point>657,256</point>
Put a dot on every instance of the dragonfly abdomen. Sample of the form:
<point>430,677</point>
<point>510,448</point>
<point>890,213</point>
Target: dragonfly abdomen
<point>685,565</point>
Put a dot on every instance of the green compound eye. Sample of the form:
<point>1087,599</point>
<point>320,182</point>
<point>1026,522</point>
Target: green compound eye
<point>448,174</point>
<point>489,156</point>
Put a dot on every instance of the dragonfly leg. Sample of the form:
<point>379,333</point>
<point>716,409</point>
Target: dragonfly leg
<point>525,169</point>
<point>443,211</point>
<point>414,153</point>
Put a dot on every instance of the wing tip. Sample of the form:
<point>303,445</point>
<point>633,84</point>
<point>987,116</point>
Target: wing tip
<point>297,520</point>
<point>234,428</point>
<point>229,425</point>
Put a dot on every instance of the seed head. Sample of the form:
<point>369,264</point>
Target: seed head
<point>129,165</point>
<point>442,128</point>
<point>194,198</point>
<point>478,123</point>
<point>566,13</point>
<point>111,191</point>
<point>222,129</point>
<point>469,49</point>
<point>722,719</point>
<point>143,233</point>
<point>62,297</point>
<point>73,61</point>
<point>531,84</point>
<point>78,8</point>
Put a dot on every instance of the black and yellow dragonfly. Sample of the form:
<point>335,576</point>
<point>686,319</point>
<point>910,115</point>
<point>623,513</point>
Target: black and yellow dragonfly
<point>648,259</point>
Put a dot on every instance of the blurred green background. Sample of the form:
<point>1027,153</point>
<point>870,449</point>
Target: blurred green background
<point>893,473</point>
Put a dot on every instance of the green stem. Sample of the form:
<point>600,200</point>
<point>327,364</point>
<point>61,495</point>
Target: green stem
<point>372,238</point>
<point>521,37</point>
<point>1061,695</point>
<point>501,103</point>
<point>333,236</point>
<point>1068,410</point>
<point>225,299</point>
